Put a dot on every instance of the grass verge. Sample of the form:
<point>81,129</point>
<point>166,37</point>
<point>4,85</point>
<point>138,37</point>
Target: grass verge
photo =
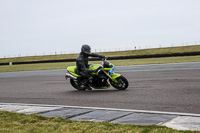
<point>46,66</point>
<point>194,48</point>
<point>21,123</point>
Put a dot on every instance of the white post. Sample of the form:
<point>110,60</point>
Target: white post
<point>10,63</point>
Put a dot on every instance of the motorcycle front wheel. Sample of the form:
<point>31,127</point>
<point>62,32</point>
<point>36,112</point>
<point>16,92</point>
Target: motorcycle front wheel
<point>122,83</point>
<point>76,85</point>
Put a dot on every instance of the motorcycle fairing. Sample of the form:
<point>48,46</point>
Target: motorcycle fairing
<point>94,67</point>
<point>114,76</point>
<point>71,70</point>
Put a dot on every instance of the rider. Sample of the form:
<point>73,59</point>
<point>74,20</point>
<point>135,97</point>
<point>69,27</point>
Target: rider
<point>82,64</point>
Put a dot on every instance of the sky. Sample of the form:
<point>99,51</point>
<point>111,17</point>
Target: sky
<point>43,27</point>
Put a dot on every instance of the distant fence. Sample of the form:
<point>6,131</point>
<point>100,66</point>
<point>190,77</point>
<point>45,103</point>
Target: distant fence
<point>109,58</point>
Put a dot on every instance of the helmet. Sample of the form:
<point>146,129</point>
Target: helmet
<point>86,49</point>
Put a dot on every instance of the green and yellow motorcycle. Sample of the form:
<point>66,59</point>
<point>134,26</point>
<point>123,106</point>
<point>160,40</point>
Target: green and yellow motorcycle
<point>102,79</point>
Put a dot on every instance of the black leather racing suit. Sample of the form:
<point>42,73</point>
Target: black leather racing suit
<point>82,64</point>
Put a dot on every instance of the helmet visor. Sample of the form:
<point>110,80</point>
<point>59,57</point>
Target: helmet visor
<point>87,51</point>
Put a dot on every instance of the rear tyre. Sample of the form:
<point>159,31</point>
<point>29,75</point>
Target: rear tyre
<point>76,85</point>
<point>122,83</point>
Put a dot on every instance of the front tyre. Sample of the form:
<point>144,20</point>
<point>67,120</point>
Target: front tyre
<point>122,83</point>
<point>76,85</point>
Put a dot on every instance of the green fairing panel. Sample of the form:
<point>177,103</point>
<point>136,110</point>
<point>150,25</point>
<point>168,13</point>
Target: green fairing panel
<point>71,70</point>
<point>114,76</point>
<point>94,67</point>
<point>107,69</point>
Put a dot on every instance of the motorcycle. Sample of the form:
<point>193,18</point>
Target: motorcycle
<point>102,79</point>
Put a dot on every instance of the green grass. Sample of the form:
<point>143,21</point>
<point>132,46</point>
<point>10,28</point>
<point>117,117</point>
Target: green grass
<point>46,66</point>
<point>195,48</point>
<point>21,123</point>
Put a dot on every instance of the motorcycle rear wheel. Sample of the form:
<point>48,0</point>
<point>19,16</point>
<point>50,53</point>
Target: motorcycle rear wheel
<point>75,84</point>
<point>122,83</point>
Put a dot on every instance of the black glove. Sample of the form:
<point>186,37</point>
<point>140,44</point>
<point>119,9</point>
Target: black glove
<point>101,56</point>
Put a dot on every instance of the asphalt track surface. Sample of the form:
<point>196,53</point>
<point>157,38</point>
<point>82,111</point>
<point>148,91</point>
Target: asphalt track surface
<point>165,87</point>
